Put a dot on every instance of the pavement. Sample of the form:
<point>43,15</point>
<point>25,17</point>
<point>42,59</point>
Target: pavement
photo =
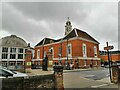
<point>103,83</point>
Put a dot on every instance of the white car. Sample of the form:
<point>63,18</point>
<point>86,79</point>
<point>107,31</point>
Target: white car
<point>5,73</point>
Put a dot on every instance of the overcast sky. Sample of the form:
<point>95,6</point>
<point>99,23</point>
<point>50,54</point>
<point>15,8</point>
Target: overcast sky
<point>33,21</point>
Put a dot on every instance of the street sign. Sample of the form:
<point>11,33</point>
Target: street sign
<point>108,48</point>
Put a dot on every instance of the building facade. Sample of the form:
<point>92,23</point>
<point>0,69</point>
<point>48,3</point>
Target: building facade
<point>12,52</point>
<point>76,47</point>
<point>114,56</point>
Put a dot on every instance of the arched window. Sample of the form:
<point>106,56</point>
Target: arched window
<point>84,50</point>
<point>95,51</point>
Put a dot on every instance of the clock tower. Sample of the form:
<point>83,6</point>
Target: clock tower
<point>68,27</point>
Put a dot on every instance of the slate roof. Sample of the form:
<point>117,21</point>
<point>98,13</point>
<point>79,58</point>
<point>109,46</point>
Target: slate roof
<point>47,41</point>
<point>85,35</point>
<point>74,33</point>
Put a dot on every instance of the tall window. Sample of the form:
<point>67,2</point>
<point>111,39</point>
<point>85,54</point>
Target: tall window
<point>20,50</point>
<point>4,49</point>
<point>13,50</point>
<point>95,51</point>
<point>38,54</point>
<point>51,49</point>
<point>84,50</point>
<point>20,53</point>
<point>12,56</point>
<point>45,54</point>
<point>69,50</point>
<point>5,53</point>
<point>4,56</point>
<point>59,51</point>
<point>12,53</point>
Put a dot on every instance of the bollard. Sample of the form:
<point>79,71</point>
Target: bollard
<point>58,74</point>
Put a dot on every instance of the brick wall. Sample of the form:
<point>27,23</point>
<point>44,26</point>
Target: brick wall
<point>114,57</point>
<point>77,50</point>
<point>39,81</point>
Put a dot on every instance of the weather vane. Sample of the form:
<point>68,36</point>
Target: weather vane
<point>68,18</point>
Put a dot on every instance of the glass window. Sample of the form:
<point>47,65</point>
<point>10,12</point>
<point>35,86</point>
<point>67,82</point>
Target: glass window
<point>4,49</point>
<point>59,51</point>
<point>38,54</point>
<point>4,56</point>
<point>84,50</point>
<point>69,49</point>
<point>20,50</point>
<point>13,50</point>
<point>20,56</point>
<point>95,51</point>
<point>12,56</point>
<point>44,53</point>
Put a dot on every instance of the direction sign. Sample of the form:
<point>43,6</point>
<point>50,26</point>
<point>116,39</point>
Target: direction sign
<point>108,48</point>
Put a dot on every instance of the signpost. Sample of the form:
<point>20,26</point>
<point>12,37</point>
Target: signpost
<point>109,48</point>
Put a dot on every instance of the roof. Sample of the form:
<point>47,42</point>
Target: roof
<point>13,41</point>
<point>74,33</point>
<point>79,33</point>
<point>47,41</point>
<point>85,35</point>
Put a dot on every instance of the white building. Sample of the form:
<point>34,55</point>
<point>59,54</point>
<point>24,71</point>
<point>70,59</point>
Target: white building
<point>12,51</point>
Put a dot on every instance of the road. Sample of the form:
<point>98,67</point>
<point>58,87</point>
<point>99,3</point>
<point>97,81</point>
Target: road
<point>94,74</point>
<point>85,79</point>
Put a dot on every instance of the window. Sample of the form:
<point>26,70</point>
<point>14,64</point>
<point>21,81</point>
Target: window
<point>12,56</point>
<point>20,56</point>
<point>69,50</point>
<point>95,51</point>
<point>38,54</point>
<point>44,53</point>
<point>84,50</point>
<point>51,50</point>
<point>4,49</point>
<point>20,53</point>
<point>4,56</point>
<point>20,50</point>
<point>13,50</point>
<point>59,51</point>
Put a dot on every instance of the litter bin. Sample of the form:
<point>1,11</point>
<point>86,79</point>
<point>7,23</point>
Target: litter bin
<point>116,73</point>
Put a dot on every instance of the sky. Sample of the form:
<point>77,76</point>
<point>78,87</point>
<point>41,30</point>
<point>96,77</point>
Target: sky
<point>34,21</point>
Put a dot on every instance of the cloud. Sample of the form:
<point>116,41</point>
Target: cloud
<point>36,20</point>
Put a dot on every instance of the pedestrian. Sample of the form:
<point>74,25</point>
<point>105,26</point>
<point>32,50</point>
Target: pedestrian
<point>71,66</point>
<point>90,65</point>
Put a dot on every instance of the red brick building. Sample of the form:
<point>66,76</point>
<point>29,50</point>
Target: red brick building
<point>114,56</point>
<point>76,47</point>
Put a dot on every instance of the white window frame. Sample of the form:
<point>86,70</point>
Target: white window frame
<point>45,54</point>
<point>20,53</point>
<point>52,51</point>
<point>84,50</point>
<point>69,45</point>
<point>38,54</point>
<point>95,51</point>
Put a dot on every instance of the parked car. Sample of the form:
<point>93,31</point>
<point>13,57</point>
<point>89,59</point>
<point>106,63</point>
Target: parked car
<point>5,73</point>
<point>106,66</point>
